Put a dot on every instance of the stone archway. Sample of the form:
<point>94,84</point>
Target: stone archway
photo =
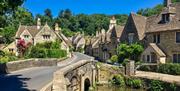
<point>75,86</point>
<point>87,84</point>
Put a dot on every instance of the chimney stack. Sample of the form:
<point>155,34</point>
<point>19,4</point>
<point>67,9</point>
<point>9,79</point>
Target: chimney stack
<point>167,3</point>
<point>38,23</point>
<point>57,28</point>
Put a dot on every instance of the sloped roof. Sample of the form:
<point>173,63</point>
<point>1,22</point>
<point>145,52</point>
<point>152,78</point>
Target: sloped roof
<point>31,29</point>
<point>157,49</point>
<point>154,22</point>
<point>140,24</point>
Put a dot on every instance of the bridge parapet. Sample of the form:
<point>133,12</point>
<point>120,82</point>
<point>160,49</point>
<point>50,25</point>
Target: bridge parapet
<point>76,77</point>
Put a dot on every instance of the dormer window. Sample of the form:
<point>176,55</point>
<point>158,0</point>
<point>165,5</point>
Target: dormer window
<point>46,36</point>
<point>165,18</point>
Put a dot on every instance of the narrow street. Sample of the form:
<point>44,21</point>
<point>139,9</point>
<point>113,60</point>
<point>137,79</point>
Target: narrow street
<point>33,79</point>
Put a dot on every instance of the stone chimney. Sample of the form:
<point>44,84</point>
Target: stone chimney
<point>112,23</point>
<point>97,33</point>
<point>57,28</point>
<point>103,31</point>
<point>167,3</point>
<point>38,23</point>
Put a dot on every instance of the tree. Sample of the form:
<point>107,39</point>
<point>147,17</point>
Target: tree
<point>114,59</point>
<point>151,11</point>
<point>8,34</point>
<point>48,13</point>
<point>132,51</point>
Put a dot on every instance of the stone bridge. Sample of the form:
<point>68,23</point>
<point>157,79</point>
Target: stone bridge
<point>76,77</point>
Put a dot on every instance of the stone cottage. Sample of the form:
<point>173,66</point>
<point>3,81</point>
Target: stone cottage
<point>38,34</point>
<point>160,34</point>
<point>104,44</point>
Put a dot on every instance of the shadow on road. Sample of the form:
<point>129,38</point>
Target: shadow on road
<point>13,83</point>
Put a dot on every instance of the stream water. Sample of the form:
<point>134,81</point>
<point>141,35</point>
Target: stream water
<point>116,88</point>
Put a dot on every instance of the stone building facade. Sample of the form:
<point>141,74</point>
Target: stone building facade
<point>38,34</point>
<point>160,34</point>
<point>104,44</point>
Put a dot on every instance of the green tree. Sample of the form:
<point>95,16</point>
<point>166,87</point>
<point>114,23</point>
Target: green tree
<point>48,13</point>
<point>132,51</point>
<point>114,59</point>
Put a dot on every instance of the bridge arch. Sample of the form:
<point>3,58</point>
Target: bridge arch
<point>87,84</point>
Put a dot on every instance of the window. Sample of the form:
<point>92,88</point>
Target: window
<point>176,58</point>
<point>165,18</point>
<point>130,37</point>
<point>26,36</point>
<point>148,58</point>
<point>46,36</point>
<point>11,49</point>
<point>177,37</point>
<point>156,38</point>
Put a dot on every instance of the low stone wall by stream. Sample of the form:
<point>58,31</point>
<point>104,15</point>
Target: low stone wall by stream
<point>107,71</point>
<point>27,63</point>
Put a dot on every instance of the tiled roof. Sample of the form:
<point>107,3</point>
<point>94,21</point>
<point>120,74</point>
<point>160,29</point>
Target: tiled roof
<point>157,50</point>
<point>154,23</point>
<point>31,29</point>
<point>140,24</point>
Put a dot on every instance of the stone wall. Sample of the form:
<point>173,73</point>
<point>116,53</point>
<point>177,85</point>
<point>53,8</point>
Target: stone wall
<point>27,63</point>
<point>72,77</point>
<point>106,72</point>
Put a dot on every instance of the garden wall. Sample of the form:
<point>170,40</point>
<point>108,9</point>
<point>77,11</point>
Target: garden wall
<point>27,63</point>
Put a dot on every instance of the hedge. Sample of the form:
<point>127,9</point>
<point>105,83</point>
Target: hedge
<point>169,68</point>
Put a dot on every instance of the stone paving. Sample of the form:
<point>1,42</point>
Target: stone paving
<point>159,76</point>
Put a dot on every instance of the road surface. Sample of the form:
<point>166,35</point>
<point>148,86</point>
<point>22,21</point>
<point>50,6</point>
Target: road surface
<point>33,79</point>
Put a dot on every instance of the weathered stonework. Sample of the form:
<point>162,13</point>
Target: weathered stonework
<point>73,77</point>
<point>167,43</point>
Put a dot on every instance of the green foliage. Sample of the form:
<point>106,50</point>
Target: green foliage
<point>132,51</point>
<point>114,59</point>
<point>173,87</point>
<point>170,68</point>
<point>151,11</point>
<point>67,32</point>
<point>175,1</point>
<point>37,52</point>
<point>7,57</point>
<point>134,82</point>
<point>8,34</point>
<point>156,85</point>
<point>118,80</point>
<point>47,50</point>
<point>56,53</point>
<point>145,68</point>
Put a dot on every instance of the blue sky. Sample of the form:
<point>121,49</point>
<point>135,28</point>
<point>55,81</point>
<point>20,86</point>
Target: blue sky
<point>109,7</point>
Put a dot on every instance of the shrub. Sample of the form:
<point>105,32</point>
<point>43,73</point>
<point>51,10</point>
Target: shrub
<point>4,59</point>
<point>170,68</point>
<point>145,68</point>
<point>56,53</point>
<point>134,82</point>
<point>38,53</point>
<point>114,59</point>
<point>156,85</point>
<point>118,80</point>
<point>137,83</point>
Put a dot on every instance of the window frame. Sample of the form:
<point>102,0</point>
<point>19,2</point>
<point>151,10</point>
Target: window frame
<point>176,38</point>
<point>177,58</point>
<point>46,37</point>
<point>157,38</point>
